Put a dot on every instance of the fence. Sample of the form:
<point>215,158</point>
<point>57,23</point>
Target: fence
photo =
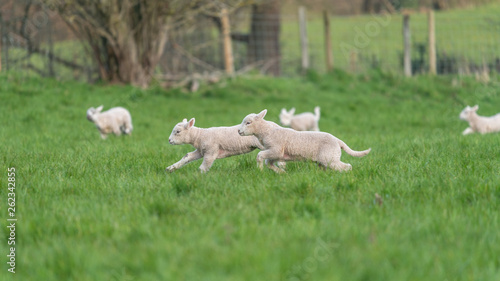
<point>466,42</point>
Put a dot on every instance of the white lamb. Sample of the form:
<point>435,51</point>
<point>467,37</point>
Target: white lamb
<point>283,144</point>
<point>211,143</point>
<point>479,124</point>
<point>116,120</point>
<point>301,122</point>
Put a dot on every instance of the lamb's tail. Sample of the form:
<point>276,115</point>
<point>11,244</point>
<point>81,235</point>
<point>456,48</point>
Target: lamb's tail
<point>353,152</point>
<point>316,113</point>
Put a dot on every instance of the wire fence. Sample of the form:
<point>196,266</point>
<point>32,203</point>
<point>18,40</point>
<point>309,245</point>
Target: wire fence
<point>467,43</point>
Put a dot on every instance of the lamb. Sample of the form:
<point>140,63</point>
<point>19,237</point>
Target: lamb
<point>211,143</point>
<point>479,124</point>
<point>116,120</point>
<point>284,144</point>
<point>301,122</point>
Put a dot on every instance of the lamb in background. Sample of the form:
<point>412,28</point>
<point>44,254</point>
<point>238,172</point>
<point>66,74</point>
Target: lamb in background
<point>283,144</point>
<point>116,120</point>
<point>479,124</point>
<point>301,122</point>
<point>211,143</point>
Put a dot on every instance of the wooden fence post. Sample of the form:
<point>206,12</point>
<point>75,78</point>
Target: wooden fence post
<point>303,38</point>
<point>432,43</point>
<point>228,51</point>
<point>353,61</point>
<point>1,39</point>
<point>407,45</point>
<point>328,43</point>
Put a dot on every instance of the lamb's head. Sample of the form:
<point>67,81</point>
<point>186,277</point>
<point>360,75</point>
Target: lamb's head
<point>180,133</point>
<point>468,111</point>
<point>251,123</point>
<point>92,113</point>
<point>286,116</point>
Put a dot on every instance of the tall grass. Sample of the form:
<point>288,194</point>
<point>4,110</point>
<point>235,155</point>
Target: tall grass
<point>105,210</point>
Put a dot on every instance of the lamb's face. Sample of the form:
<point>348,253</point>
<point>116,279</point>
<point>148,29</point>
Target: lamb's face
<point>180,132</point>
<point>91,114</point>
<point>286,117</point>
<point>250,123</point>
<point>464,115</point>
<point>246,127</point>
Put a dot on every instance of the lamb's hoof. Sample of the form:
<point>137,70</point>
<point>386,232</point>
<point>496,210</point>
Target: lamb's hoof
<point>277,170</point>
<point>170,169</point>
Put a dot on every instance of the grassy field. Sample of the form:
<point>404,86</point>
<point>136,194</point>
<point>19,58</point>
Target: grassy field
<point>90,209</point>
<point>468,35</point>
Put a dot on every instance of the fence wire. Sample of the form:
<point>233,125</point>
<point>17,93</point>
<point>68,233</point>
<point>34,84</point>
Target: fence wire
<point>467,42</point>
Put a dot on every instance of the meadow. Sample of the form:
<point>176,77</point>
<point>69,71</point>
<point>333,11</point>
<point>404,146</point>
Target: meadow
<point>90,209</point>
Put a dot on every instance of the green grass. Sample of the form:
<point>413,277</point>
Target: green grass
<point>89,209</point>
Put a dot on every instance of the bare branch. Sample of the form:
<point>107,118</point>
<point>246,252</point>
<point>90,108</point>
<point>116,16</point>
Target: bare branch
<point>194,59</point>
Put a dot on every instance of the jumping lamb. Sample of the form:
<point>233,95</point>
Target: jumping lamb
<point>301,122</point>
<point>284,144</point>
<point>116,120</point>
<point>479,124</point>
<point>211,143</point>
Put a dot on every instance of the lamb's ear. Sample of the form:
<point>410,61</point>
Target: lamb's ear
<point>476,107</point>
<point>283,110</point>
<point>184,120</point>
<point>262,114</point>
<point>292,111</point>
<point>190,124</point>
<point>99,109</point>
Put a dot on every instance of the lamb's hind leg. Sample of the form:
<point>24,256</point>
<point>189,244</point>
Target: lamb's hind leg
<point>331,158</point>
<point>128,127</point>
<point>340,166</point>
<point>208,160</point>
<point>117,131</point>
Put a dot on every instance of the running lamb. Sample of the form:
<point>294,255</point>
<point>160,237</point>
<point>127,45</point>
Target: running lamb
<point>212,143</point>
<point>284,144</point>
<point>301,122</point>
<point>479,124</point>
<point>116,120</point>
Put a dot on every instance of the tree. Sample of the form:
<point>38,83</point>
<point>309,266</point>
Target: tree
<point>127,37</point>
<point>264,37</point>
<point>23,25</point>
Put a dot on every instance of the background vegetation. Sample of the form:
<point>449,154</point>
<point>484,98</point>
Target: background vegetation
<point>467,41</point>
<point>105,210</point>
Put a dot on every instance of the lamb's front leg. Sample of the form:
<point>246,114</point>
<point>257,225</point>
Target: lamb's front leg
<point>190,157</point>
<point>468,131</point>
<point>272,164</point>
<point>268,155</point>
